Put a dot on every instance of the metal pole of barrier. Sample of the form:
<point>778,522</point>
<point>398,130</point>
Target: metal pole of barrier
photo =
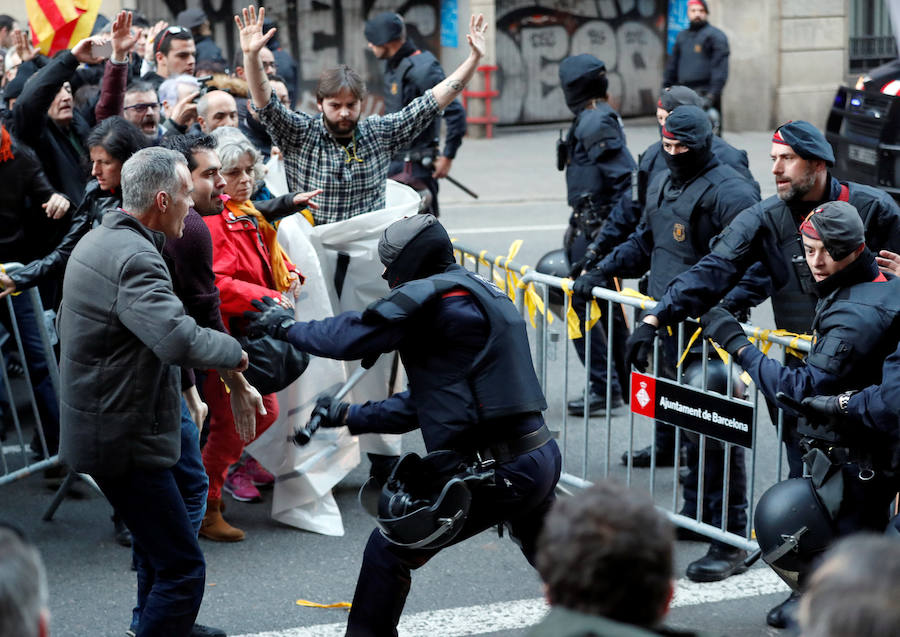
<point>545,324</point>
<point>751,506</point>
<point>565,407</point>
<point>586,419</point>
<point>610,360</point>
<point>540,345</point>
<point>17,335</point>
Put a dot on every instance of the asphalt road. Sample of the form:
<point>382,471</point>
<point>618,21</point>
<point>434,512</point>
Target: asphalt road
<point>482,587</point>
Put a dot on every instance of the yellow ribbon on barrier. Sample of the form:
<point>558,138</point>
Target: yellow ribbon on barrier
<point>573,323</point>
<point>509,286</point>
<point>595,314</point>
<point>306,602</point>
<point>533,301</point>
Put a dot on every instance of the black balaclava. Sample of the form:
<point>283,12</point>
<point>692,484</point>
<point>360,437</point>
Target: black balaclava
<point>582,78</point>
<point>414,248</point>
<point>689,125</point>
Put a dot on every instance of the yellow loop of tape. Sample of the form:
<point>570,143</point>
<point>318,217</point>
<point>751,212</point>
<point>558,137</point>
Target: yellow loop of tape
<point>306,602</point>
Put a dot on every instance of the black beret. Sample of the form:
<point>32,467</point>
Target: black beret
<point>836,224</point>
<point>678,96</point>
<point>806,140</point>
<point>582,77</point>
<point>384,28</point>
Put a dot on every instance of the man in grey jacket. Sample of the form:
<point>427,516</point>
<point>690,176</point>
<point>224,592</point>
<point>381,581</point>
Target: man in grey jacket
<point>124,333</point>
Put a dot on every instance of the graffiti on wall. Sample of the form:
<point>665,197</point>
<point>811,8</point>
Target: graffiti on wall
<point>326,33</point>
<point>628,35</point>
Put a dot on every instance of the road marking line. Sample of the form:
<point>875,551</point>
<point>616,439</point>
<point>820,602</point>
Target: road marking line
<point>554,227</point>
<point>489,618</point>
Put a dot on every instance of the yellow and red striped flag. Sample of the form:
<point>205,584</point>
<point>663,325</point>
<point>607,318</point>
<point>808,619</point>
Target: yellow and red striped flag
<point>60,24</point>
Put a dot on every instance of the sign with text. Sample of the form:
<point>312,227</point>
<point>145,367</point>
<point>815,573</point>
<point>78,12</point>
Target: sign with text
<point>688,407</point>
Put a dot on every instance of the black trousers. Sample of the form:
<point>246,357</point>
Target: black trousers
<point>520,498</point>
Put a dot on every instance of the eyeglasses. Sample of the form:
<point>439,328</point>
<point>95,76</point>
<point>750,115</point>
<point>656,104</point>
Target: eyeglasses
<point>168,32</point>
<point>140,108</point>
<point>270,65</point>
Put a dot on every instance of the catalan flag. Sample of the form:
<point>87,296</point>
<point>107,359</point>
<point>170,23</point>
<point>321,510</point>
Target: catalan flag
<point>60,24</point>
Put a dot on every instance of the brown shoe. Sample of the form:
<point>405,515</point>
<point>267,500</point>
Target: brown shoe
<point>214,527</point>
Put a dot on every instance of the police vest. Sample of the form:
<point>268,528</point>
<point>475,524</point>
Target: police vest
<point>794,305</point>
<point>673,226</point>
<point>500,380</point>
<point>855,328</point>
<point>402,85</point>
<point>586,175</point>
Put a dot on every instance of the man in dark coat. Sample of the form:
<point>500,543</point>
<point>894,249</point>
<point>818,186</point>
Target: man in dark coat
<point>123,334</point>
<point>598,167</point>
<point>408,73</point>
<point>699,58</point>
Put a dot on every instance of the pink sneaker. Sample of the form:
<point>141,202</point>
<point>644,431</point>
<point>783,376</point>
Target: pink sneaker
<point>240,487</point>
<point>258,475</point>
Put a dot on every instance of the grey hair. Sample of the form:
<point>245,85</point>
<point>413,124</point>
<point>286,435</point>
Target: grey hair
<point>168,90</point>
<point>146,173</point>
<point>232,145</point>
<point>23,586</point>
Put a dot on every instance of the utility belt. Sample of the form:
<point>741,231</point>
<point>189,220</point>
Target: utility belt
<point>502,452</point>
<point>589,214</point>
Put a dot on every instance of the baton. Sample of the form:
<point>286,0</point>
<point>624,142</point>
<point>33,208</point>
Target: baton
<point>302,436</point>
<point>461,187</point>
<point>427,161</point>
<point>791,403</point>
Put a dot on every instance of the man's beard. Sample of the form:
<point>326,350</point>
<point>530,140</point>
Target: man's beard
<point>799,189</point>
<point>214,206</point>
<point>340,130</point>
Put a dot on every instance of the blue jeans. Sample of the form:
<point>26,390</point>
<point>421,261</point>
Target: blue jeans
<point>192,483</point>
<point>38,371</point>
<point>167,553</point>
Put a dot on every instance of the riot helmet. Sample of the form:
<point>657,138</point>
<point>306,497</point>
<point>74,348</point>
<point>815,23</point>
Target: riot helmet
<point>793,529</point>
<point>716,378</point>
<point>414,247</point>
<point>418,507</point>
<point>555,264</point>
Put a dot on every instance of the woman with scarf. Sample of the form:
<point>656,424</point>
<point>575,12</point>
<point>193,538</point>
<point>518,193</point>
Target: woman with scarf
<point>248,264</point>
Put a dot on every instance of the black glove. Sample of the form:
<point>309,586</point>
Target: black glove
<point>585,263</point>
<point>583,285</point>
<point>637,347</point>
<point>721,326</point>
<point>331,412</point>
<point>826,406</point>
<point>271,318</point>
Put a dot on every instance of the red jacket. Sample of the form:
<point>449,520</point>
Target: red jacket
<point>241,264</point>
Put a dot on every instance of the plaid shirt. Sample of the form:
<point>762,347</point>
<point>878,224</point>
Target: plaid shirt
<point>313,158</point>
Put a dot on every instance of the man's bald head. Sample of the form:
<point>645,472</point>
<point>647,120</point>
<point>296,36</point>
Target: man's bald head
<point>215,109</point>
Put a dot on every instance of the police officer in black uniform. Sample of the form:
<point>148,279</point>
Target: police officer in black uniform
<point>687,205</point>
<point>408,73</point>
<point>598,168</point>
<point>472,390</point>
<point>699,58</point>
<point>764,237</point>
<point>624,217</point>
<point>855,323</point>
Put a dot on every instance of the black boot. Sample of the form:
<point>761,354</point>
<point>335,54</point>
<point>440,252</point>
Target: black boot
<point>199,630</point>
<point>641,457</point>
<point>785,614</point>
<point>720,562</point>
<point>596,403</point>
<point>123,535</point>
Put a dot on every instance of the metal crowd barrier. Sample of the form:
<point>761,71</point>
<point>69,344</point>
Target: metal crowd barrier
<point>576,436</point>
<point>17,458</point>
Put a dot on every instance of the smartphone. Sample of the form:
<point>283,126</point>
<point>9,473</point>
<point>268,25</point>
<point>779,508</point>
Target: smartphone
<point>101,49</point>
